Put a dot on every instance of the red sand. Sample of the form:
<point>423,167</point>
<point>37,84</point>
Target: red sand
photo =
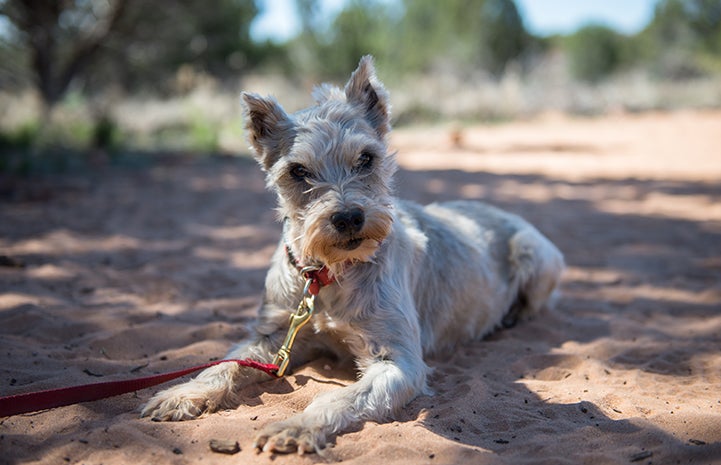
<point>135,271</point>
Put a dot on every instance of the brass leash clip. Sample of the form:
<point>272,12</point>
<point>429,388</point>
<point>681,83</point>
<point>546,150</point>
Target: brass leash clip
<point>297,320</point>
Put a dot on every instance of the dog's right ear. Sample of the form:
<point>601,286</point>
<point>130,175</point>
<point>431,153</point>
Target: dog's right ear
<point>270,130</point>
<point>364,89</point>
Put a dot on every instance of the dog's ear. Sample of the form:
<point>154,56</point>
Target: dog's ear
<point>364,89</point>
<point>270,130</point>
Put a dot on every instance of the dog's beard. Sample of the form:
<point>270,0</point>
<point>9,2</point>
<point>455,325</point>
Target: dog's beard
<point>321,243</point>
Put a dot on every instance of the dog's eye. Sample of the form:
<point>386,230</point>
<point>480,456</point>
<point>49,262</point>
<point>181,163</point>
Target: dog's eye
<point>365,161</point>
<point>299,173</point>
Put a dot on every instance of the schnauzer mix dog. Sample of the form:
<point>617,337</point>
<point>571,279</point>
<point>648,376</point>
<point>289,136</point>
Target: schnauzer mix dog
<point>408,281</point>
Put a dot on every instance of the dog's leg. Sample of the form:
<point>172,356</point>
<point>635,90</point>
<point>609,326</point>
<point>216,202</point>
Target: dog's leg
<point>218,387</point>
<point>385,387</point>
<point>215,387</point>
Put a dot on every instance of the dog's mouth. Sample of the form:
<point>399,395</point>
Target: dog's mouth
<point>351,244</point>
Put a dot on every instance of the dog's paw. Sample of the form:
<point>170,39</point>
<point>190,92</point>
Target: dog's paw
<point>291,436</point>
<point>175,405</point>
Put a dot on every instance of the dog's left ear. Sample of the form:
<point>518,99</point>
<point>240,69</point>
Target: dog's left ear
<point>364,89</point>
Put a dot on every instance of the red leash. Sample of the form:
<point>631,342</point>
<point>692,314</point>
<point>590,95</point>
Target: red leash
<point>34,401</point>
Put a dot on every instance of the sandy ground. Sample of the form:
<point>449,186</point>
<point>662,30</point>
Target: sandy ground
<point>128,271</point>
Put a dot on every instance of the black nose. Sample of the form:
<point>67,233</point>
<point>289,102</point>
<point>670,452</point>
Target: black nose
<point>348,222</point>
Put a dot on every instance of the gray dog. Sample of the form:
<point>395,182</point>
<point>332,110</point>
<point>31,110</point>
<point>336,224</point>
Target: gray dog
<point>400,281</point>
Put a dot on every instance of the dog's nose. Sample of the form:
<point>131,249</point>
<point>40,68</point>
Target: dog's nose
<point>348,222</point>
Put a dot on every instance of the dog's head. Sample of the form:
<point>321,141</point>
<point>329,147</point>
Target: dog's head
<point>330,166</point>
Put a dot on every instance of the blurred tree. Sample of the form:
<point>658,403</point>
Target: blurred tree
<point>61,37</point>
<point>689,21</point>
<point>594,52</point>
<point>330,49</point>
<point>467,33</point>
<point>684,38</point>
<point>705,18</point>
<point>428,32</point>
<point>502,35</point>
<point>14,61</point>
<point>362,27</point>
<point>155,39</point>
<point>132,43</point>
<point>412,35</point>
<point>302,51</point>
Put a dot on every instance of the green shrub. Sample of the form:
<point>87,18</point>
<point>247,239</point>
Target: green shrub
<point>21,138</point>
<point>203,135</point>
<point>106,135</point>
<point>595,52</point>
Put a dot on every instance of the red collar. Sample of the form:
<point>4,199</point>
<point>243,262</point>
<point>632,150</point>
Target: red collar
<point>318,277</point>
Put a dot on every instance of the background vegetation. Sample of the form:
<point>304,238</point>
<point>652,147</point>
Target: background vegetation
<point>102,77</point>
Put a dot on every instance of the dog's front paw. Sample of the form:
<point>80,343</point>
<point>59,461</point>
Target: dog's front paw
<point>176,404</point>
<point>291,436</point>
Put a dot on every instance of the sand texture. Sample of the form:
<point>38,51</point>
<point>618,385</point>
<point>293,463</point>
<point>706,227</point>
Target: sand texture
<point>127,271</point>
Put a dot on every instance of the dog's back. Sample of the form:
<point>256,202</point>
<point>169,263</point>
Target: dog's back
<point>473,265</point>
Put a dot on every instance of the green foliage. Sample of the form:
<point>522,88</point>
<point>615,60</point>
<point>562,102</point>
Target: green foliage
<point>430,30</point>
<point>415,35</point>
<point>106,134</point>
<point>214,39</point>
<point>684,38</point>
<point>503,38</point>
<point>465,33</point>
<point>203,135</point>
<point>20,138</point>
<point>595,52</point>
<point>361,28</point>
<point>34,147</point>
<point>131,44</point>
<point>155,39</point>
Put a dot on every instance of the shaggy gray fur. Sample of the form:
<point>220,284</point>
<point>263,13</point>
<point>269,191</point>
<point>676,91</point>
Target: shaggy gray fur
<point>411,281</point>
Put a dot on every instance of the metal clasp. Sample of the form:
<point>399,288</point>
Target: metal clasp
<point>297,320</point>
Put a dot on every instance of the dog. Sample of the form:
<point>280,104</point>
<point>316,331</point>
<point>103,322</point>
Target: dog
<point>406,282</point>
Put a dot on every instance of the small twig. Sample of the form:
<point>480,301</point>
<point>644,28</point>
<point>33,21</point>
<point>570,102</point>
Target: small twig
<point>641,455</point>
<point>138,368</point>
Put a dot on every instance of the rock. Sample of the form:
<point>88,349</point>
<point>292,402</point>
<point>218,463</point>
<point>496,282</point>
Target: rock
<point>224,446</point>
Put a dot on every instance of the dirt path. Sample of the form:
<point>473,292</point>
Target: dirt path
<point>127,271</point>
